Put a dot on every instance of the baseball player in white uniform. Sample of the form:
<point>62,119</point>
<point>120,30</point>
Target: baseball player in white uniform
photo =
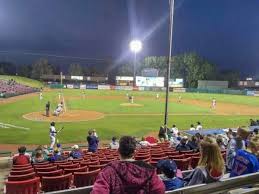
<point>41,96</point>
<point>59,95</point>
<point>214,102</point>
<point>52,134</point>
<point>157,95</point>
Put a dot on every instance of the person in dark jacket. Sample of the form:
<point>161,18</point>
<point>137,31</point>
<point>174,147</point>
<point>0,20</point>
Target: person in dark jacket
<point>194,143</point>
<point>127,175</point>
<point>183,145</point>
<point>92,142</point>
<point>162,133</point>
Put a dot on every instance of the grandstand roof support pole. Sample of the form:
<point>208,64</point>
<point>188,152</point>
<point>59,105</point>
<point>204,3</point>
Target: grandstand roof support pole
<point>171,24</point>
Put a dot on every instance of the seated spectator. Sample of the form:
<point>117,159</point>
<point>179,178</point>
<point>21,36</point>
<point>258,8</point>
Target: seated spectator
<point>127,175</point>
<point>175,141</point>
<point>76,152</point>
<point>169,169</point>
<point>114,145</point>
<point>92,142</point>
<point>252,122</point>
<point>145,143</point>
<point>192,128</point>
<point>256,131</point>
<point>56,156</point>
<point>59,148</point>
<point>194,143</point>
<point>220,143</point>
<point>183,146</point>
<point>173,131</point>
<point>39,157</point>
<point>246,161</point>
<point>22,158</point>
<point>211,164</point>
<point>45,150</point>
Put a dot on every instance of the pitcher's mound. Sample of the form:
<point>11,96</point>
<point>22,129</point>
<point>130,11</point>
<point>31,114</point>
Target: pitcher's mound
<point>131,105</point>
<point>69,116</point>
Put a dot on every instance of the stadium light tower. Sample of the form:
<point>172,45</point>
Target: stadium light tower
<point>135,47</point>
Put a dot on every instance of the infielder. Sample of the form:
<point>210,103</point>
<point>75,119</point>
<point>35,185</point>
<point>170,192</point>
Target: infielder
<point>41,96</point>
<point>214,102</point>
<point>131,99</point>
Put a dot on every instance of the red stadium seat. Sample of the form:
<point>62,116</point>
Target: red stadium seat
<point>50,174</point>
<point>83,163</point>
<point>21,172</point>
<point>186,152</point>
<point>31,186</point>
<point>105,161</point>
<point>62,161</point>
<point>24,165</point>
<point>176,157</point>
<point>157,155</point>
<point>77,160</point>
<point>183,164</point>
<point>21,177</point>
<point>21,168</point>
<point>195,161</point>
<point>72,170</point>
<point>142,157</point>
<point>85,178</point>
<point>159,158</point>
<point>47,169</point>
<point>95,167</point>
<point>191,155</point>
<point>41,163</point>
<point>76,165</point>
<point>56,183</point>
<point>43,166</point>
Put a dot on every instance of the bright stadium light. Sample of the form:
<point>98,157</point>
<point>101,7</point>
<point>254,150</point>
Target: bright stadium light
<point>135,47</point>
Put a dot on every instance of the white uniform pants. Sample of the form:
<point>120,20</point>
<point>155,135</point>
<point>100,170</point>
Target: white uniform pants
<point>52,141</point>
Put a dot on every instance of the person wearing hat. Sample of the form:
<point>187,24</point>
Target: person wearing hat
<point>169,170</point>
<point>183,145</point>
<point>76,152</point>
<point>52,134</point>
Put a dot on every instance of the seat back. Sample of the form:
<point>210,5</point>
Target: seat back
<point>95,167</point>
<point>50,174</point>
<point>85,178</point>
<point>31,186</point>
<point>183,164</point>
<point>21,168</point>
<point>73,170</point>
<point>21,177</point>
<point>195,161</point>
<point>46,169</point>
<point>56,183</point>
<point>22,172</point>
<point>76,165</point>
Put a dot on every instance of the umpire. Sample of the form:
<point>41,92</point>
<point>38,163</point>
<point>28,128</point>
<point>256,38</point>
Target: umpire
<point>47,108</point>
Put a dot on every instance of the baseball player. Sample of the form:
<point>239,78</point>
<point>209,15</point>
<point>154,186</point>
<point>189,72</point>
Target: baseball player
<point>213,106</point>
<point>180,99</point>
<point>59,95</point>
<point>41,96</point>
<point>157,96</point>
<point>47,108</point>
<point>52,134</point>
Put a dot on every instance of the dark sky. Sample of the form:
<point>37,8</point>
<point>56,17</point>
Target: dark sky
<point>226,32</point>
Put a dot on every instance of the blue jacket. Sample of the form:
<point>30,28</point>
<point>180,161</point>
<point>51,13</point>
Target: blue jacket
<point>173,183</point>
<point>244,163</point>
<point>92,143</point>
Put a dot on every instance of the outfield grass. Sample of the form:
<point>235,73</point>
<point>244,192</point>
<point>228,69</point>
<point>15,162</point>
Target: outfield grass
<point>112,125</point>
<point>23,80</point>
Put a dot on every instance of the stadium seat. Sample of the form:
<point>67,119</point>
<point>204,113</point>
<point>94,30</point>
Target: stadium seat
<point>187,155</point>
<point>176,157</point>
<point>83,163</point>
<point>95,167</point>
<point>49,174</point>
<point>186,152</point>
<point>159,158</point>
<point>77,160</point>
<point>31,186</point>
<point>72,170</point>
<point>62,162</point>
<point>41,163</point>
<point>43,166</point>
<point>105,161</point>
<point>76,165</point>
<point>142,157</point>
<point>195,161</point>
<point>21,177</point>
<point>158,154</point>
<point>21,168</point>
<point>85,178</point>
<point>56,183</point>
<point>21,172</point>
<point>47,169</point>
<point>183,164</point>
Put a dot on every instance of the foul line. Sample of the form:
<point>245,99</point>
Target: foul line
<point>6,125</point>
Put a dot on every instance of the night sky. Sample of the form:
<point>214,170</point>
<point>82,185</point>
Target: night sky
<point>226,32</point>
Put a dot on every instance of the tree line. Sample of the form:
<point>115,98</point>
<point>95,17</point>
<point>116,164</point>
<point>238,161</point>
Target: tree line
<point>189,66</point>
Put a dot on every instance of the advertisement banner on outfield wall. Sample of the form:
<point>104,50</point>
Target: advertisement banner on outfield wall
<point>141,88</point>
<point>76,86</point>
<point>176,83</point>
<point>77,77</point>
<point>70,86</point>
<point>94,87</point>
<point>82,86</point>
<point>104,87</point>
<point>124,78</point>
<point>179,90</point>
<point>129,88</point>
<point>150,81</point>
<point>256,93</point>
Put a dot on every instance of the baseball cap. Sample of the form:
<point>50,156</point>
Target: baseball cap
<point>75,147</point>
<point>167,166</point>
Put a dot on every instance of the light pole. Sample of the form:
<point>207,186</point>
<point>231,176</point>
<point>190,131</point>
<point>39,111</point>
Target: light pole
<point>135,47</point>
<point>171,24</point>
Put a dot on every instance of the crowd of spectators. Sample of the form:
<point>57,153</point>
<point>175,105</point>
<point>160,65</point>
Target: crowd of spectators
<point>131,176</point>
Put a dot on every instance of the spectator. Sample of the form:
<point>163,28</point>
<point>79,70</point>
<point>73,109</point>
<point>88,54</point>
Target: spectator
<point>127,175</point>
<point>174,131</point>
<point>94,133</point>
<point>183,146</point>
<point>192,128</point>
<point>236,141</point>
<point>114,145</point>
<point>169,169</point>
<point>211,164</point>
<point>175,141</point>
<point>21,158</point>
<point>199,126</point>
<point>145,143</point>
<point>246,161</point>
<point>59,148</point>
<point>92,142</point>
<point>220,142</point>
<point>39,157</point>
<point>76,152</point>
<point>252,122</point>
<point>194,143</point>
<point>56,156</point>
<point>162,134</point>
<point>45,150</point>
<point>256,131</point>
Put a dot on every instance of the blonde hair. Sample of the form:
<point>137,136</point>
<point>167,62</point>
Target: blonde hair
<point>243,132</point>
<point>211,157</point>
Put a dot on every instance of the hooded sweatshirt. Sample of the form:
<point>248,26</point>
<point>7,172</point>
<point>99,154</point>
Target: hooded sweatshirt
<point>201,175</point>
<point>121,177</point>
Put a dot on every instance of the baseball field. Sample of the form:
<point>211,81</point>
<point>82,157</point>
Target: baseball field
<point>22,119</point>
